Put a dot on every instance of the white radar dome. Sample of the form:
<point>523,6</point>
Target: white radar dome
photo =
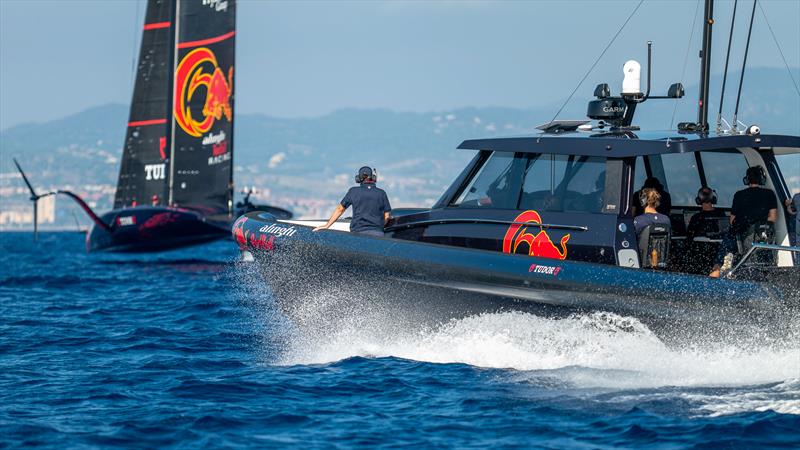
<point>633,74</point>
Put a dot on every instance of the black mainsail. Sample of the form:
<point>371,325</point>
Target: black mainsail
<point>143,169</point>
<point>202,130</point>
<point>179,143</point>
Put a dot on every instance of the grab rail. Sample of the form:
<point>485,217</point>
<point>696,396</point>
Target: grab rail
<point>420,223</point>
<point>755,247</point>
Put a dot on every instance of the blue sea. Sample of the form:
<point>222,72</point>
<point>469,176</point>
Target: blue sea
<point>186,350</point>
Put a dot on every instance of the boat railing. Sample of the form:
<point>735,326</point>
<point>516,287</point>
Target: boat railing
<point>761,247</point>
<point>422,223</point>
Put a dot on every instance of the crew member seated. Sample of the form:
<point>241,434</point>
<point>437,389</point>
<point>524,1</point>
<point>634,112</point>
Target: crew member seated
<point>653,231</point>
<point>753,215</point>
<point>665,205</point>
<point>704,228</point>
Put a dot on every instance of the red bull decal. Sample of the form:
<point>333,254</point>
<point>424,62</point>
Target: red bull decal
<point>199,69</point>
<point>255,241</point>
<point>539,244</point>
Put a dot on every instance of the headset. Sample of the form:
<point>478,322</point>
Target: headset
<point>643,198</point>
<point>706,195</point>
<point>756,174</point>
<point>366,173</point>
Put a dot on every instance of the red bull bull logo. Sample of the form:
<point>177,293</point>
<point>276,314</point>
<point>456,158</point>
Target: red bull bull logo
<point>538,244</point>
<point>245,238</point>
<point>199,72</point>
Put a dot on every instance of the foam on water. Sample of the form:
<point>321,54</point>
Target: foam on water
<point>594,351</point>
<point>527,342</point>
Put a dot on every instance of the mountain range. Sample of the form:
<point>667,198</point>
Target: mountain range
<point>315,158</point>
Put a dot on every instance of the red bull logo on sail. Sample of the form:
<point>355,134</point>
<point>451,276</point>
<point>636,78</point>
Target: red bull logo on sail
<point>199,72</point>
<point>538,244</point>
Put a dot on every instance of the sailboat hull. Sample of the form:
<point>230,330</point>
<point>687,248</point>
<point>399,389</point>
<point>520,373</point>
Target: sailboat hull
<point>153,228</point>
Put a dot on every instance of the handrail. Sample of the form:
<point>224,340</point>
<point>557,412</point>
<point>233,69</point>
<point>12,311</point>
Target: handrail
<point>420,223</point>
<point>758,246</point>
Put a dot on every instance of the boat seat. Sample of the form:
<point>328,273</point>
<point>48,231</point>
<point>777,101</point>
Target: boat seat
<point>654,242</point>
<point>757,233</point>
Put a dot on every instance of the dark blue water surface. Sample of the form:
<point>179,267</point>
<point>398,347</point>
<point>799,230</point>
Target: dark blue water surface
<point>185,349</point>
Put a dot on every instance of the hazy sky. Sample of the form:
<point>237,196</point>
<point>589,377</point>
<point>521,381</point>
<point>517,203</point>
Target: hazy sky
<point>305,58</point>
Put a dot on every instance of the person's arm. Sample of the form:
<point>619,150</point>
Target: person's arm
<point>773,215</point>
<point>334,217</point>
<point>773,209</point>
<point>387,209</point>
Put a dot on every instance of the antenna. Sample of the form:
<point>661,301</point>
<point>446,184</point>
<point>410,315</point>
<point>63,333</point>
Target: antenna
<point>744,64</point>
<point>705,67</point>
<point>619,111</point>
<point>725,73</point>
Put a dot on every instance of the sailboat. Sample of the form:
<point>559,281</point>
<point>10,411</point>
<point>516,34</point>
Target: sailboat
<point>175,185</point>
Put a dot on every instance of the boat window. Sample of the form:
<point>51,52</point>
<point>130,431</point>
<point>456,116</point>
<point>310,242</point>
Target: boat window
<point>640,173</point>
<point>564,183</point>
<point>496,184</point>
<point>724,172</point>
<point>790,166</point>
<point>682,180</point>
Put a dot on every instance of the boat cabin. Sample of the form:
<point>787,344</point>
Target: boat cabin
<point>571,194</point>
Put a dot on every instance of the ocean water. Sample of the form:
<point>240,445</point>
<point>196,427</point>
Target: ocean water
<point>187,350</point>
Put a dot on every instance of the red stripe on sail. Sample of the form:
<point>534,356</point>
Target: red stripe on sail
<point>142,123</point>
<point>206,41</point>
<point>156,25</point>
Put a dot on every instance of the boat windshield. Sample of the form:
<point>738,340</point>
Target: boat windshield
<point>564,183</point>
<point>496,185</point>
<point>542,182</point>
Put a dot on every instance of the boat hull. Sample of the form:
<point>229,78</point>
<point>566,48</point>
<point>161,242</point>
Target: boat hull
<point>414,281</point>
<point>152,229</point>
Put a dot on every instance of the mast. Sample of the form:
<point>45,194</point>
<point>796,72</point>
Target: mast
<point>705,66</point>
<point>176,36</point>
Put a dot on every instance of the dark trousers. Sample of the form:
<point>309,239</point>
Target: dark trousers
<point>728,245</point>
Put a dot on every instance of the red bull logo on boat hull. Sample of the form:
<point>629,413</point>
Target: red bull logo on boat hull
<point>539,244</point>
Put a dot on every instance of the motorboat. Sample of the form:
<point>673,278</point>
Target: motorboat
<point>545,223</point>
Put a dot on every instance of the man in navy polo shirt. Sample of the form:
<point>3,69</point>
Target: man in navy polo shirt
<point>370,205</point>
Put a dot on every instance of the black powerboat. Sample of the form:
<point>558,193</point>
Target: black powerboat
<point>175,185</point>
<point>544,223</point>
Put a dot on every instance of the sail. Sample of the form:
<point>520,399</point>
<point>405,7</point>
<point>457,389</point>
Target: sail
<point>145,158</point>
<point>201,174</point>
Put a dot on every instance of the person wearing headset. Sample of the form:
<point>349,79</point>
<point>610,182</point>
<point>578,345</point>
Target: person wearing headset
<point>650,200</point>
<point>750,206</point>
<point>371,206</point>
<point>704,224</point>
<point>665,202</point>
<point>704,221</point>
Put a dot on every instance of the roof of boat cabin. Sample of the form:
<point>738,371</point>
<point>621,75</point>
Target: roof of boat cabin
<point>628,144</point>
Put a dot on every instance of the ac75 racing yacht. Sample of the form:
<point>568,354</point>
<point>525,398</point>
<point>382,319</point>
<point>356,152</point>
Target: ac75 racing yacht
<point>175,186</point>
<point>544,223</point>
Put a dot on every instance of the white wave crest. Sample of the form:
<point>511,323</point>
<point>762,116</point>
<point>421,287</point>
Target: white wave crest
<point>599,350</point>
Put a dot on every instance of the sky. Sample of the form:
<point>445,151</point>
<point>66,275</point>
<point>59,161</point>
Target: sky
<point>308,58</point>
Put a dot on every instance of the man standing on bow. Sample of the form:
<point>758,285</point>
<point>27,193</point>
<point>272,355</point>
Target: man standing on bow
<point>370,205</point>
